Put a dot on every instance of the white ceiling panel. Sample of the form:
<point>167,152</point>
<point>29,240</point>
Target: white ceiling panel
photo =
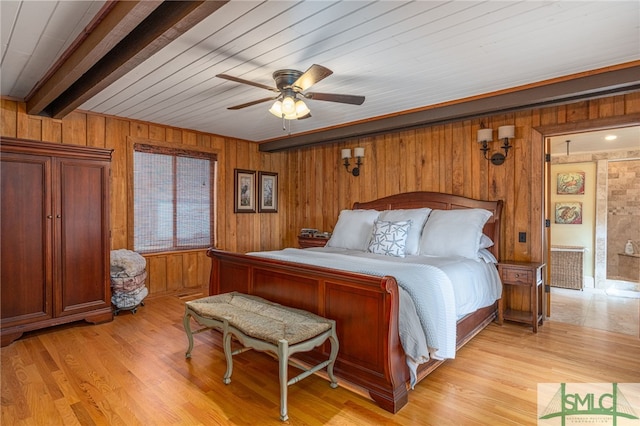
<point>400,55</point>
<point>9,12</point>
<point>624,139</point>
<point>34,35</point>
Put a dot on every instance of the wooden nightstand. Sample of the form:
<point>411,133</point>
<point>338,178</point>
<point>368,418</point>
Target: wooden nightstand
<point>306,242</point>
<point>522,293</point>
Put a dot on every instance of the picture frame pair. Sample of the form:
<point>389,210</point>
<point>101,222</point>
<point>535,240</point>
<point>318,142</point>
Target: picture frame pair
<point>246,195</point>
<point>569,212</point>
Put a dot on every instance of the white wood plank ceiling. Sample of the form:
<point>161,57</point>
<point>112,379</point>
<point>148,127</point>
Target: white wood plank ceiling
<point>399,55</point>
<point>34,35</point>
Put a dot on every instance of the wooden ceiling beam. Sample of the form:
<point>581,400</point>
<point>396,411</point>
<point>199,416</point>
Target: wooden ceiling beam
<point>127,33</point>
<point>114,21</point>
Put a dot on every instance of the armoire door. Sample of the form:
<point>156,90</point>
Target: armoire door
<point>81,235</point>
<point>26,270</point>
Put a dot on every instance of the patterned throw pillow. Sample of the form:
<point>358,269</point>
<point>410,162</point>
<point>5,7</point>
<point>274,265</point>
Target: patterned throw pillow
<point>389,238</point>
<point>417,217</point>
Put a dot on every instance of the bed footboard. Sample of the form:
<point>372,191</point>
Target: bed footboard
<point>364,307</point>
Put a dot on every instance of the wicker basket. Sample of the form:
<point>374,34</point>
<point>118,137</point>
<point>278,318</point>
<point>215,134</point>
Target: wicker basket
<point>567,267</point>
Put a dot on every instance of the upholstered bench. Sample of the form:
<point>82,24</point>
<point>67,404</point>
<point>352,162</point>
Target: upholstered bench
<point>264,326</point>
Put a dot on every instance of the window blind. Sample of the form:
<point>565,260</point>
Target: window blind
<point>173,198</point>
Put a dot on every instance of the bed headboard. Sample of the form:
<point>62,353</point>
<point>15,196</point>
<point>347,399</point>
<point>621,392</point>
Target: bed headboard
<point>441,201</point>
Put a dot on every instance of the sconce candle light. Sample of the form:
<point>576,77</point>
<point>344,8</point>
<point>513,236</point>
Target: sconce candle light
<point>359,154</point>
<point>486,135</point>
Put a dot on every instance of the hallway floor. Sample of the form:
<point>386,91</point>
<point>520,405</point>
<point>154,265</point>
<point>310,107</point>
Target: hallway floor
<point>596,309</point>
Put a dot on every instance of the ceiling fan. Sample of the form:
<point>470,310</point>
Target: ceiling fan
<point>289,85</point>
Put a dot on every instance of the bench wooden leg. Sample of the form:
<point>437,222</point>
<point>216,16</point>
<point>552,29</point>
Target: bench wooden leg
<point>333,338</point>
<point>206,323</point>
<point>283,361</point>
<point>186,321</point>
<point>228,355</point>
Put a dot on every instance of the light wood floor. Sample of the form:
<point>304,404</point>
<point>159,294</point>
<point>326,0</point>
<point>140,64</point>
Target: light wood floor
<point>132,371</point>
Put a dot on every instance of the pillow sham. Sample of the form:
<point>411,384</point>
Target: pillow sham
<point>353,229</point>
<point>453,232</point>
<point>485,242</point>
<point>417,217</point>
<point>487,256</point>
<point>389,238</point>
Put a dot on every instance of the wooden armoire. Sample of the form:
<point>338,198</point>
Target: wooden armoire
<point>54,227</point>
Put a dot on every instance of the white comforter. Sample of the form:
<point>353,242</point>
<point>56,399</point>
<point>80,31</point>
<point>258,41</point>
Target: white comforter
<point>440,290</point>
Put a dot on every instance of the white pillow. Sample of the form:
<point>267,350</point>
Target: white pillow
<point>353,230</point>
<point>485,242</point>
<point>389,238</point>
<point>453,232</point>
<point>417,217</point>
<point>487,256</point>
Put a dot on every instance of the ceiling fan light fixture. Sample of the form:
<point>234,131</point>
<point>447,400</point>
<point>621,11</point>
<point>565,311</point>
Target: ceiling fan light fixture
<point>301,109</point>
<point>289,105</point>
<point>276,109</point>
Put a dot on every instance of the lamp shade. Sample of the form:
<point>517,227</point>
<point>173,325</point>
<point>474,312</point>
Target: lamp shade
<point>276,109</point>
<point>346,153</point>
<point>301,109</point>
<point>358,152</point>
<point>288,105</point>
<point>506,132</point>
<point>485,135</point>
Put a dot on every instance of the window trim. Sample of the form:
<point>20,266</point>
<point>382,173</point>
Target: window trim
<point>173,149</point>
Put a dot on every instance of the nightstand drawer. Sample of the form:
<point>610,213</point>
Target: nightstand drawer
<point>518,276</point>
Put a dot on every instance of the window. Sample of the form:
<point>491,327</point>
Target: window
<point>173,193</point>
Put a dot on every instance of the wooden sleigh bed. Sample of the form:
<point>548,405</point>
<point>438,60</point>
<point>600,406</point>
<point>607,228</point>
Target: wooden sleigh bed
<point>365,307</point>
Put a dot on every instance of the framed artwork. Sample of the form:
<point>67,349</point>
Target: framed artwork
<point>244,191</point>
<point>569,213</point>
<point>268,195</point>
<point>570,183</point>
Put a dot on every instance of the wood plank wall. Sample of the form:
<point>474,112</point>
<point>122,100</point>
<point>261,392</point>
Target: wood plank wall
<point>447,158</point>
<point>314,187</point>
<point>183,272</point>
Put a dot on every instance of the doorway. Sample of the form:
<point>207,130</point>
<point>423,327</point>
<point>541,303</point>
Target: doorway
<point>593,206</point>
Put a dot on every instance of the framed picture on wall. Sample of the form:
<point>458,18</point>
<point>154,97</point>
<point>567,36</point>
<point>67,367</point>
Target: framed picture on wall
<point>244,191</point>
<point>569,213</point>
<point>268,195</point>
<point>570,183</point>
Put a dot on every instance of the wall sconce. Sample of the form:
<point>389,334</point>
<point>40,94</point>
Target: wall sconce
<point>359,154</point>
<point>486,135</point>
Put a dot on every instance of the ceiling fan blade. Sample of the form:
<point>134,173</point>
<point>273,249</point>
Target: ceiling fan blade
<point>314,74</point>
<point>259,101</point>
<point>250,83</point>
<point>333,97</point>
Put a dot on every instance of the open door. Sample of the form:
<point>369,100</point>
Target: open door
<point>586,137</point>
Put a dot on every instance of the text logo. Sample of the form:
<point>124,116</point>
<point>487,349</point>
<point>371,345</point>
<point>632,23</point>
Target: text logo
<point>588,403</point>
